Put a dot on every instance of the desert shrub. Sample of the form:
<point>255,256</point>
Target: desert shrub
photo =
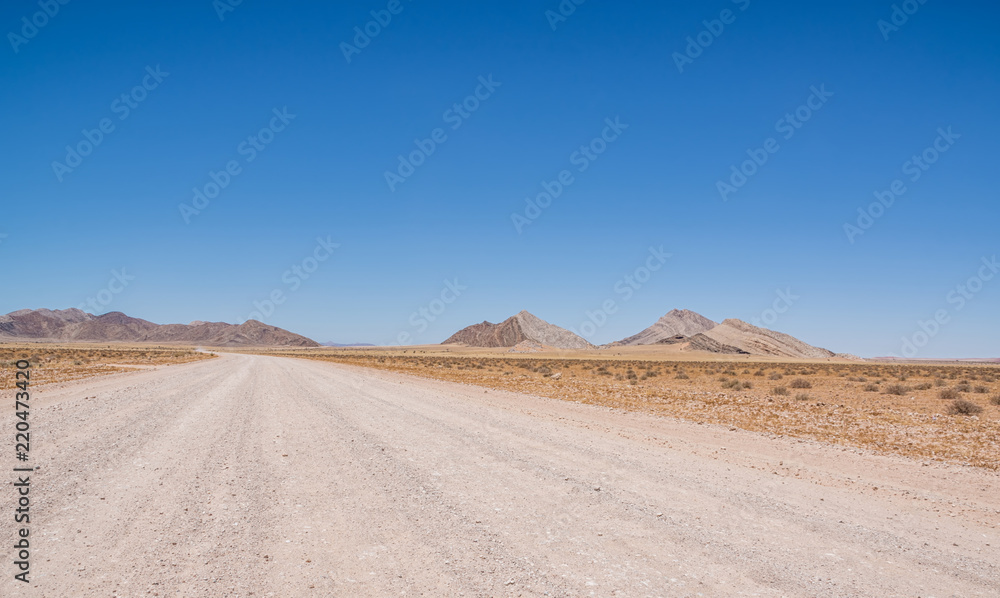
<point>923,386</point>
<point>801,383</point>
<point>781,391</point>
<point>939,382</point>
<point>948,394</point>
<point>995,400</point>
<point>871,387</point>
<point>682,376</point>
<point>963,387</point>
<point>775,376</point>
<point>963,407</point>
<point>897,389</point>
<point>802,396</point>
<point>980,390</point>
<point>759,373</point>
<point>736,385</point>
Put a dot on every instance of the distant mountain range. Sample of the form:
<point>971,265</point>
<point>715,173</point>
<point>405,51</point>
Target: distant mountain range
<point>684,329</point>
<point>688,330</point>
<point>677,322</point>
<point>516,329</point>
<point>69,325</point>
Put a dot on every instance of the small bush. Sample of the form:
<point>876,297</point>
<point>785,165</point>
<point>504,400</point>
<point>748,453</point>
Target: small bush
<point>775,376</point>
<point>682,376</point>
<point>897,389</point>
<point>980,390</point>
<point>995,400</point>
<point>948,394</point>
<point>801,383</point>
<point>923,386</point>
<point>802,396</point>
<point>963,407</point>
<point>963,387</point>
<point>871,387</point>
<point>780,391</point>
<point>736,385</point>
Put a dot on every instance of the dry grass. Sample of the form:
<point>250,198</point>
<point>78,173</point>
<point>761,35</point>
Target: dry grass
<point>61,363</point>
<point>836,409</point>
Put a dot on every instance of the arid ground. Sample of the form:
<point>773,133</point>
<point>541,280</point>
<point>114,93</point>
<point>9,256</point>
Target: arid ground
<point>925,411</point>
<point>249,475</point>
<point>61,363</point>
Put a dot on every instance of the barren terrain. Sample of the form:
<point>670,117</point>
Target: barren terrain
<point>262,476</point>
<point>61,363</point>
<point>891,408</point>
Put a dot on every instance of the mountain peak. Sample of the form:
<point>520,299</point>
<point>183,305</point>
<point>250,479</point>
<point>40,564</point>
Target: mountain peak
<point>73,325</point>
<point>520,327</point>
<point>676,322</point>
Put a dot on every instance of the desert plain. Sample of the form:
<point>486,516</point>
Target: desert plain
<point>457,471</point>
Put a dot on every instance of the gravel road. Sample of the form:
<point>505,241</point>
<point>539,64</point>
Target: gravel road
<point>264,476</point>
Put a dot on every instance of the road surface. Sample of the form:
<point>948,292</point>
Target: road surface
<point>263,476</point>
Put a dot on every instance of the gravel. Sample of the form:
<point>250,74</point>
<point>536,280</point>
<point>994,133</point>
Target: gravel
<point>250,475</point>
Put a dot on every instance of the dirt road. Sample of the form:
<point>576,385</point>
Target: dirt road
<point>261,476</point>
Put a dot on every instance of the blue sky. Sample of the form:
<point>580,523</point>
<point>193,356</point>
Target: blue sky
<point>888,94</point>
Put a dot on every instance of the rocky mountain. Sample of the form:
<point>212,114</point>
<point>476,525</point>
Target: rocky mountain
<point>74,325</point>
<point>516,329</point>
<point>694,332</point>
<point>761,341</point>
<point>677,322</point>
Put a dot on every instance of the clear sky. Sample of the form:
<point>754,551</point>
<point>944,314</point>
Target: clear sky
<point>833,100</point>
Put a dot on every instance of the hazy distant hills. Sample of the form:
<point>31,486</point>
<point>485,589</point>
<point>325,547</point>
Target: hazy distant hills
<point>516,329</point>
<point>761,341</point>
<point>677,322</point>
<point>686,329</point>
<point>682,328</point>
<point>69,325</point>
